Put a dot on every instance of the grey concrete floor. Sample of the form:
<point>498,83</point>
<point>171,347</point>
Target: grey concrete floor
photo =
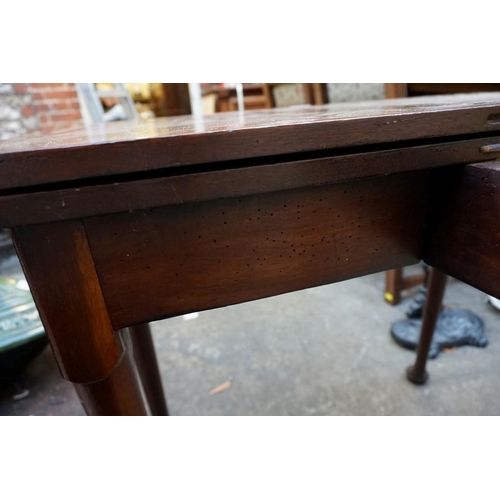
<point>320,351</point>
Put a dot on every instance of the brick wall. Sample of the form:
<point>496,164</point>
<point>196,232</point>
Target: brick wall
<point>31,106</point>
<point>54,103</point>
<point>16,110</point>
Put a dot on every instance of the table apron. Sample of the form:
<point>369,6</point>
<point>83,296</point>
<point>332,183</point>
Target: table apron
<point>166,261</point>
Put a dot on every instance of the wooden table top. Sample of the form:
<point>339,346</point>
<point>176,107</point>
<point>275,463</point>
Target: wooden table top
<point>120,148</point>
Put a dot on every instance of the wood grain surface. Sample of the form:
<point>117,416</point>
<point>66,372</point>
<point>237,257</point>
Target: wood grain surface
<point>138,146</point>
<point>114,197</point>
<point>119,394</point>
<point>148,369</point>
<point>464,229</point>
<point>58,265</point>
<point>168,261</point>
<point>165,217</point>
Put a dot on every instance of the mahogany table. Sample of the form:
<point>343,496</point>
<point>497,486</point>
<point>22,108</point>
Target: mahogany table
<point>128,222</point>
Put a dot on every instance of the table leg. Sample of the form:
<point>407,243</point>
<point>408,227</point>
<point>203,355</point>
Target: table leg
<point>59,267</point>
<point>435,292</point>
<point>147,366</point>
<point>117,394</point>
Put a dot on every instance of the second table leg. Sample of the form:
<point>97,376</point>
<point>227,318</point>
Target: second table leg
<point>147,366</point>
<point>435,292</point>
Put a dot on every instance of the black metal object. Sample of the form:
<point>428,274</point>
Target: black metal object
<point>453,328</point>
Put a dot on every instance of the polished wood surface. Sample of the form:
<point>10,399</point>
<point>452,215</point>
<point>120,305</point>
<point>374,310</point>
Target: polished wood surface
<point>147,366</point>
<point>244,179</point>
<point>57,262</point>
<point>124,147</point>
<point>118,394</point>
<point>463,238</point>
<point>435,292</point>
<point>173,260</point>
<point>110,237</point>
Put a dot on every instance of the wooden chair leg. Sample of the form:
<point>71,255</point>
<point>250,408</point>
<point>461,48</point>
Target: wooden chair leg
<point>435,292</point>
<point>393,286</point>
<point>395,283</point>
<point>147,366</point>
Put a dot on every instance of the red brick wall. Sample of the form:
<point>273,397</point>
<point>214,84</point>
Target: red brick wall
<point>14,98</point>
<point>53,103</point>
<point>31,106</point>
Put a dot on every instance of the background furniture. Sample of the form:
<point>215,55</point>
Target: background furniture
<point>267,95</point>
<point>395,283</point>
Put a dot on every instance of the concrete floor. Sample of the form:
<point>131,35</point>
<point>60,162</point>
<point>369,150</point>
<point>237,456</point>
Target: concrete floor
<point>321,351</point>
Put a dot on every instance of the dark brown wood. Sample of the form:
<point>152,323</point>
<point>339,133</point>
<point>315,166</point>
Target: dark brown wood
<point>175,100</point>
<point>435,292</point>
<point>395,283</point>
<point>395,90</point>
<point>413,280</point>
<point>320,93</point>
<point>147,366</point>
<point>122,147</point>
<point>114,197</point>
<point>58,265</point>
<point>464,231</point>
<point>307,196</point>
<point>393,286</point>
<point>117,394</point>
<point>415,89</point>
<point>172,260</point>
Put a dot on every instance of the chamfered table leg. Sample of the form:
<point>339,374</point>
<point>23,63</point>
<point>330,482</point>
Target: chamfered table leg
<point>117,394</point>
<point>147,366</point>
<point>59,267</point>
<point>435,292</point>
